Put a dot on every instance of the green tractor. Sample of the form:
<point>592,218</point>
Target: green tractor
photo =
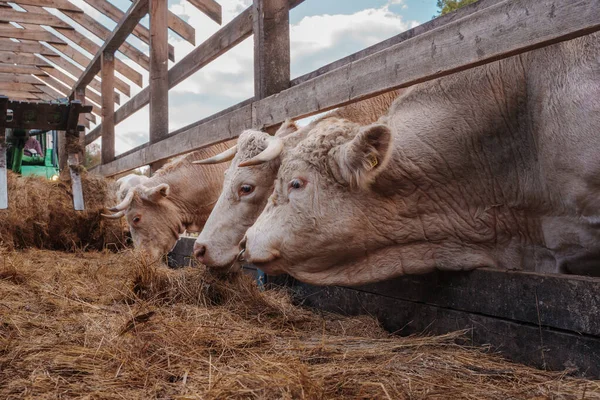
<point>30,162</point>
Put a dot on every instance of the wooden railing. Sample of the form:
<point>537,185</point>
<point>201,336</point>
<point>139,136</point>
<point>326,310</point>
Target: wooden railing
<point>480,33</point>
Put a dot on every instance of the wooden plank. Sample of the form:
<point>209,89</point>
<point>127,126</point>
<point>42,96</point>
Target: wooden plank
<point>159,68</point>
<point>20,69</point>
<point>210,8</point>
<point>63,5</point>
<point>182,28</point>
<point>118,36</point>
<point>93,48</point>
<point>69,82</point>
<point>30,48</point>
<point>540,299</point>
<point>108,108</point>
<point>17,33</point>
<point>271,27</point>
<point>17,95</point>
<point>524,343</point>
<point>116,15</point>
<point>103,33</point>
<point>33,18</point>
<point>159,85</point>
<point>76,71</point>
<point>460,45</point>
<point>437,22</point>
<point>18,58</point>
<point>58,90</point>
<point>219,43</point>
<point>3,147</point>
<point>18,78</point>
<point>66,83</point>
<point>212,130</point>
<point>19,87</point>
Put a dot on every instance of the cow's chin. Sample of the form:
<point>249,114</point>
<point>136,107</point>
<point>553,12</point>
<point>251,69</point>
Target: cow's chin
<point>273,267</point>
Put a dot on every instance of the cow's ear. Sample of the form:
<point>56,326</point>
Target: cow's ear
<point>156,193</point>
<point>288,127</point>
<point>364,157</point>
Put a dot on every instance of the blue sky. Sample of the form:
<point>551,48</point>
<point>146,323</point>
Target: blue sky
<point>321,31</point>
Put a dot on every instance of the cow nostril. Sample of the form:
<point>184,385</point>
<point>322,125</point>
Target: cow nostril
<point>199,250</point>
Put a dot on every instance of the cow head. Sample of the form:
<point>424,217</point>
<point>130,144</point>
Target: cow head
<point>244,195</point>
<point>318,215</point>
<point>154,219</point>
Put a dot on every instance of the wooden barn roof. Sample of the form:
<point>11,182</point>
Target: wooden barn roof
<point>37,64</point>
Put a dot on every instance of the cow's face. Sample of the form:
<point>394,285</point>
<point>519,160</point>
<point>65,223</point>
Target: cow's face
<point>154,219</point>
<point>245,193</point>
<point>316,218</point>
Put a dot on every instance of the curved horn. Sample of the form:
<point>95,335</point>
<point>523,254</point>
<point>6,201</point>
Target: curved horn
<point>125,203</point>
<point>114,216</point>
<point>273,150</point>
<point>227,155</point>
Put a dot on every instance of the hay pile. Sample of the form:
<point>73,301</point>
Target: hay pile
<point>40,214</point>
<point>108,326</point>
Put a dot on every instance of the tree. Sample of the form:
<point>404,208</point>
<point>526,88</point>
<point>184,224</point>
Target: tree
<point>92,155</point>
<point>446,6</point>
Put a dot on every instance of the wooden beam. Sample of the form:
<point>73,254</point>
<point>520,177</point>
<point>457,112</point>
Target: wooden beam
<point>210,8</point>
<point>77,71</point>
<point>108,108</point>
<point>80,96</point>
<point>33,18</point>
<point>31,48</point>
<point>18,95</point>
<point>271,26</point>
<point>20,69</point>
<point>226,38</point>
<point>20,87</point>
<point>7,57</point>
<point>17,33</point>
<point>69,82</point>
<point>63,5</point>
<point>58,90</point>
<point>182,28</point>
<point>118,36</point>
<point>93,48</point>
<point>18,78</point>
<point>116,15</point>
<point>159,68</point>
<point>389,69</point>
<point>103,33</point>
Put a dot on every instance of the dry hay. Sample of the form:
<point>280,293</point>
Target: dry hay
<point>40,214</point>
<point>109,326</point>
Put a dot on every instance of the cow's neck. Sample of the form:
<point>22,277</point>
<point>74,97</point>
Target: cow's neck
<point>195,188</point>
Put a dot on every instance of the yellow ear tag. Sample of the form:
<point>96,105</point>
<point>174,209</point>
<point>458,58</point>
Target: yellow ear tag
<point>373,161</point>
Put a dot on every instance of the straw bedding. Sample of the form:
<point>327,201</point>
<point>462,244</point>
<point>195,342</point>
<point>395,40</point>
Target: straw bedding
<point>41,215</point>
<point>96,325</point>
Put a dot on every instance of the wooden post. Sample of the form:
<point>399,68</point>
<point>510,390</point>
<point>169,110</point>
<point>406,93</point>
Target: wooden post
<point>79,94</point>
<point>271,47</point>
<point>108,107</point>
<point>3,166</point>
<point>159,68</point>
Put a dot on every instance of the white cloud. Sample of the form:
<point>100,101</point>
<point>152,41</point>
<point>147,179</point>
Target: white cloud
<point>315,41</point>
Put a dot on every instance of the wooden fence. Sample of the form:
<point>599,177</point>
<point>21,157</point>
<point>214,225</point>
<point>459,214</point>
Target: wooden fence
<point>483,32</point>
<point>545,320</point>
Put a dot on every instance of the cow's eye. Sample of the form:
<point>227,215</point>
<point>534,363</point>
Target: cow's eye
<point>296,184</point>
<point>246,190</point>
<point>136,219</point>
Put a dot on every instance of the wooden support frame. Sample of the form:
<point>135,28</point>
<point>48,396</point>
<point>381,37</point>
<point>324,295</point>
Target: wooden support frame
<point>108,107</point>
<point>388,70</point>
<point>3,167</point>
<point>118,36</point>
<point>271,27</point>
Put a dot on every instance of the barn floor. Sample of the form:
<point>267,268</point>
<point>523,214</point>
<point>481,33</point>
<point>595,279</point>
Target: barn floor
<point>104,326</point>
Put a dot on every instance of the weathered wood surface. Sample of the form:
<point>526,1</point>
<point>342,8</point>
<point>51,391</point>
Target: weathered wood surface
<point>28,48</point>
<point>454,47</point>
<point>19,87</point>
<point>210,8</point>
<point>180,27</point>
<point>17,33</point>
<point>103,33</point>
<point>271,27</point>
<point>116,39</point>
<point>33,18</point>
<point>63,5</point>
<point>69,82</point>
<point>18,58</point>
<point>526,343</point>
<point>457,46</point>
<point>226,38</point>
<point>116,15</point>
<point>18,78</point>
<point>437,22</point>
<point>108,107</point>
